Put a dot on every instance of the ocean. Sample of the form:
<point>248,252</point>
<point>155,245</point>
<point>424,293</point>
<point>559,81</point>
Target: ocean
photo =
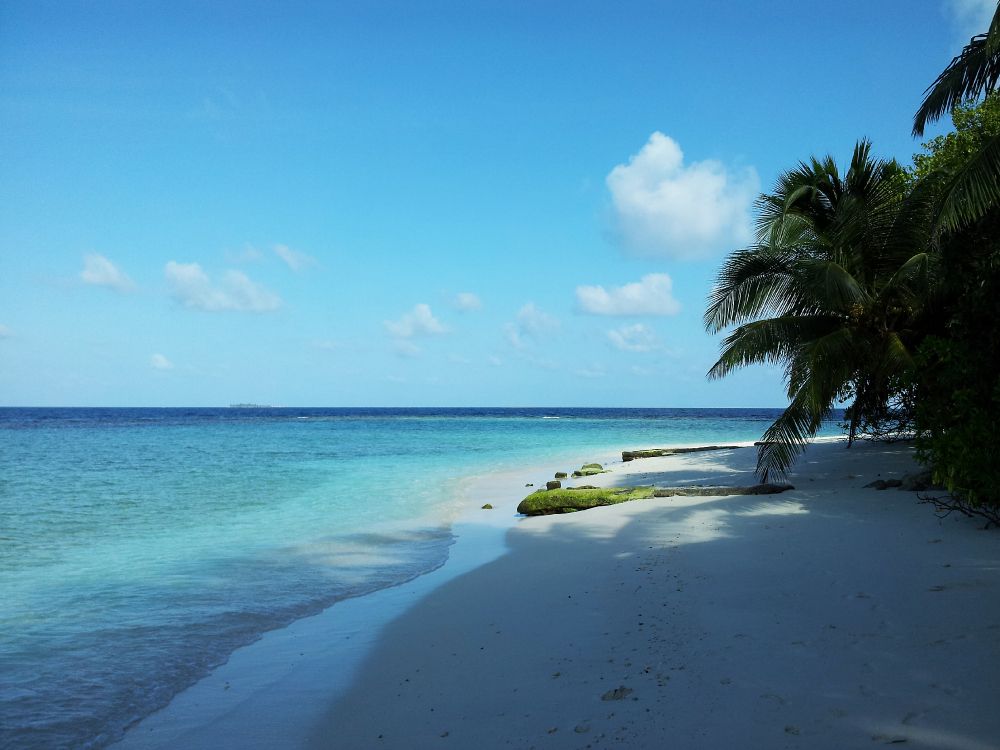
<point>140,547</point>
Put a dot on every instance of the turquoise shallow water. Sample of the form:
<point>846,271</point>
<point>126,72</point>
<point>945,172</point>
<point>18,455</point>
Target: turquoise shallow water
<point>140,547</point>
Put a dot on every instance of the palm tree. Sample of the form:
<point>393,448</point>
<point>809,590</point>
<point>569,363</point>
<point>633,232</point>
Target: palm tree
<point>829,290</point>
<point>967,194</point>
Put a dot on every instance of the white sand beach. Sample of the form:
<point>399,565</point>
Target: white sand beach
<point>829,616</point>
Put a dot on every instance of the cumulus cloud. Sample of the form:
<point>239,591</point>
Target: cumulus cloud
<point>634,338</point>
<point>294,259</point>
<point>467,302</point>
<point>193,288</point>
<point>419,321</point>
<point>666,208</point>
<point>405,348</point>
<point>971,17</point>
<point>159,362</point>
<point>99,271</point>
<point>531,322</point>
<point>652,295</point>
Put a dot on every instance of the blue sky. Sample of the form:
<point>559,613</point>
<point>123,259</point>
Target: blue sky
<point>414,203</point>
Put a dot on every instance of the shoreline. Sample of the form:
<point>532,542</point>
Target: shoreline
<point>320,652</point>
<point>375,665</point>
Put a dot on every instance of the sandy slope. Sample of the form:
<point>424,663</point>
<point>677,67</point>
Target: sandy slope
<point>830,616</point>
<point>827,617</point>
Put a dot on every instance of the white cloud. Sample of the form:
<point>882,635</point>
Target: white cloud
<point>5,332</point>
<point>634,338</point>
<point>99,271</point>
<point>192,287</point>
<point>419,321</point>
<point>652,295</point>
<point>326,344</point>
<point>666,208</point>
<point>405,348</point>
<point>467,302</point>
<point>495,360</point>
<point>971,17</point>
<point>514,337</point>
<point>591,372</point>
<point>458,359</point>
<point>531,322</point>
<point>248,254</point>
<point>294,259</point>
<point>159,362</point>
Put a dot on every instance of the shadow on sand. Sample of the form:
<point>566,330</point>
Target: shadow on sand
<point>827,617</point>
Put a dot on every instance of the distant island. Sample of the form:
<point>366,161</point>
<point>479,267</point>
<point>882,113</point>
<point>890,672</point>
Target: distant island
<point>250,406</point>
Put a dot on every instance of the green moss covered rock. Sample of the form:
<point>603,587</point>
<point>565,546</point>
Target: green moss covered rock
<point>568,499</point>
<point>588,470</point>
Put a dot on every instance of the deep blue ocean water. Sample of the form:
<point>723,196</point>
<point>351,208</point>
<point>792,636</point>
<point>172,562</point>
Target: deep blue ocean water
<point>140,547</point>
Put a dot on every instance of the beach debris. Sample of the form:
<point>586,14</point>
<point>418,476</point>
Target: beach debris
<point>618,694</point>
<point>570,499</point>
<point>553,484</point>
<point>588,470</point>
<point>883,484</point>
<point>487,506</point>
<point>658,452</point>
<point>560,475</point>
<point>917,481</point>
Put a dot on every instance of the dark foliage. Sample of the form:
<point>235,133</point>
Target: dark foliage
<point>958,374</point>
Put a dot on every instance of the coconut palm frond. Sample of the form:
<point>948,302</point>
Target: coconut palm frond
<point>896,357</point>
<point>911,281</point>
<point>752,283</point>
<point>829,284</point>
<point>769,341</point>
<point>825,359</point>
<point>973,72</point>
<point>784,440</point>
<point>973,190</point>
